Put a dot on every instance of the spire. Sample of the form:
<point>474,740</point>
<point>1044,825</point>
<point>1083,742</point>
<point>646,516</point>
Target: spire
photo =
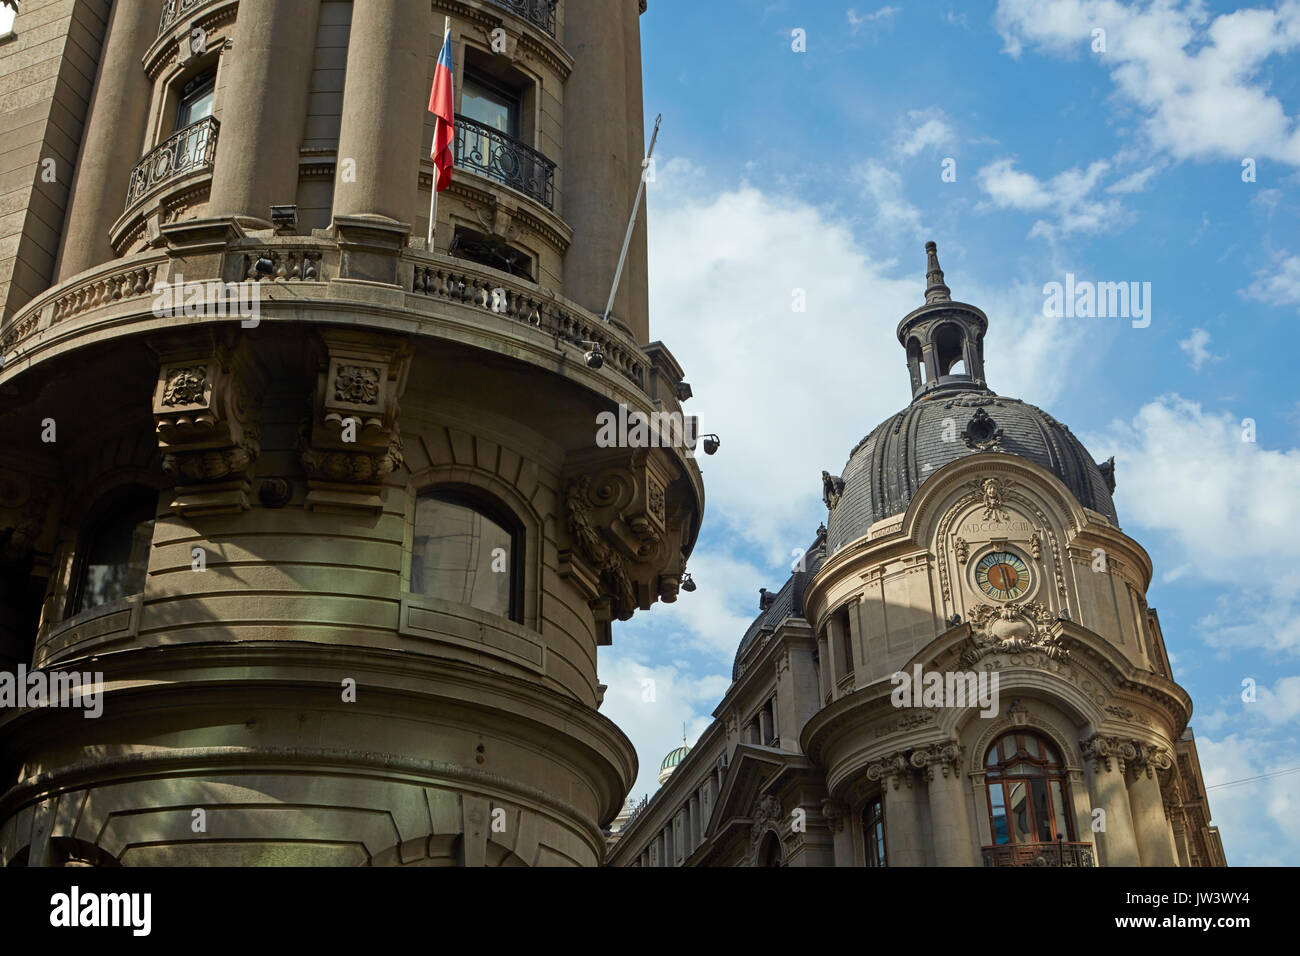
<point>935,290</point>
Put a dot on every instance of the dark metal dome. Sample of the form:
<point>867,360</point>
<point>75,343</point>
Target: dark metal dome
<point>953,414</point>
<point>890,464</point>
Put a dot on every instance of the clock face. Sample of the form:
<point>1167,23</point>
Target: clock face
<point>1002,575</point>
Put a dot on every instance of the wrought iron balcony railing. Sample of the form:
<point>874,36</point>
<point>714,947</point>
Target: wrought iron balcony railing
<point>491,153</point>
<point>540,13</point>
<point>1039,854</point>
<point>173,10</point>
<point>186,151</point>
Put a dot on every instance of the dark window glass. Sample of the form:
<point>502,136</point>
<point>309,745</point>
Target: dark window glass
<point>465,553</point>
<point>490,104</point>
<point>196,100</point>
<point>873,831</point>
<point>998,806</point>
<point>115,548</point>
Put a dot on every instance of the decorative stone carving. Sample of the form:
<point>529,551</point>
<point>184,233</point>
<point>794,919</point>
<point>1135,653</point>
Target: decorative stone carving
<point>962,549</point>
<point>895,768</point>
<point>1101,750</point>
<point>1036,546</point>
<point>833,811</point>
<point>1150,758</point>
<point>352,442</point>
<point>992,491</point>
<point>626,524</point>
<point>765,816</point>
<point>832,489</point>
<point>982,432</point>
<point>1013,629</point>
<point>206,421</point>
<point>946,757</point>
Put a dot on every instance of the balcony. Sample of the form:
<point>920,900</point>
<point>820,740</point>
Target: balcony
<point>188,151</point>
<point>1039,854</point>
<point>540,13</point>
<point>174,10</point>
<point>503,159</point>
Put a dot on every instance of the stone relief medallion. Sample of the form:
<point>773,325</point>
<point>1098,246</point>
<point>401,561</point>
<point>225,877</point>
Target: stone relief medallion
<point>1011,629</point>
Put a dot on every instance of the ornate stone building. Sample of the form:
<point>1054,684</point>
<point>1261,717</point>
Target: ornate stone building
<point>323,505</point>
<point>969,537</point>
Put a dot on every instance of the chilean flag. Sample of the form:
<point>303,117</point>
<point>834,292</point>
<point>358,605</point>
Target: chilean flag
<point>442,105</point>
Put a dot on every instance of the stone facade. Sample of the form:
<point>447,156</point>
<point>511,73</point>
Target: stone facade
<point>812,759</point>
<point>276,688</point>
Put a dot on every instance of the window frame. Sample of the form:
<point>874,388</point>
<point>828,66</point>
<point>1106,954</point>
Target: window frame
<point>872,817</point>
<point>491,508</point>
<point>105,507</point>
<point>206,78</point>
<point>1049,771</point>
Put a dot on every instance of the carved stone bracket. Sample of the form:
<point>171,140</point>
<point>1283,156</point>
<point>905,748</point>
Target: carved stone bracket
<point>352,441</point>
<point>895,767</point>
<point>626,525</point>
<point>1101,750</point>
<point>207,424</point>
<point>833,811</point>
<point>1013,629</point>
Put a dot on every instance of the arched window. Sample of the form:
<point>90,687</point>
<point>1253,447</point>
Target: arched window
<point>1028,791</point>
<point>467,550</point>
<point>114,553</point>
<point>873,831</point>
<point>948,350</point>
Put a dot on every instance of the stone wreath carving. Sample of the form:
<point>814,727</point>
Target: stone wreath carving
<point>1011,629</point>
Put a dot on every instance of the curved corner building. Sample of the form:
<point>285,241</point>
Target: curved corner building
<point>323,506</point>
<point>970,538</point>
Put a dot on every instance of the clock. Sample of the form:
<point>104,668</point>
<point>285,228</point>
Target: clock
<point>1003,575</point>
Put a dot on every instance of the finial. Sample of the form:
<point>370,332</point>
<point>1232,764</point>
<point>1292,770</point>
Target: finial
<point>935,290</point>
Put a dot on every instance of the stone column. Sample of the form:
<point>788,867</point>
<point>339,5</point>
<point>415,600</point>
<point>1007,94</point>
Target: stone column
<point>110,147</point>
<point>953,839</point>
<point>266,78</point>
<point>835,814</point>
<point>600,175</point>
<point>384,104</point>
<point>904,845</point>
<point>1154,836</point>
<point>1105,759</point>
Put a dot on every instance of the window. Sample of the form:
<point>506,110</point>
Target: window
<point>114,552</point>
<point>476,247</point>
<point>196,99</point>
<point>466,551</point>
<point>873,831</point>
<point>846,636</point>
<point>1028,791</point>
<point>486,101</point>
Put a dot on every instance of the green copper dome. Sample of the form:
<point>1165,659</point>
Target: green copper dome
<point>675,757</point>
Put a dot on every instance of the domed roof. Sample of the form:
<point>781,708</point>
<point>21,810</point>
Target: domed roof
<point>887,467</point>
<point>675,757</point>
<point>954,414</point>
<point>775,607</point>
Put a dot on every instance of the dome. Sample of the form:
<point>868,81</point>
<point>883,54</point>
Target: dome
<point>671,761</point>
<point>953,415</point>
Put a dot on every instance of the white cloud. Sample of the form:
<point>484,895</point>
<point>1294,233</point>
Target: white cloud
<point>1067,196</point>
<point>1228,507</point>
<point>924,129</point>
<point>1279,284</point>
<point>858,21</point>
<point>1134,182</point>
<point>1259,819</point>
<point>1196,346</point>
<point>883,187</point>
<point>650,703</point>
<point>1194,79</point>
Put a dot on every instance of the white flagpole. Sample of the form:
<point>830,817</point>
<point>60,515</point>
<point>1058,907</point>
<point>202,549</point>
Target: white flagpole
<point>631,225</point>
<point>433,200</point>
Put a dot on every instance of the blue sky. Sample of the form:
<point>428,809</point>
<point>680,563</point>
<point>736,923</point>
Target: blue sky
<point>820,171</point>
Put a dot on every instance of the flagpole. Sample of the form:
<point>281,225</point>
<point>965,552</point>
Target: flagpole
<point>433,200</point>
<point>631,226</point>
